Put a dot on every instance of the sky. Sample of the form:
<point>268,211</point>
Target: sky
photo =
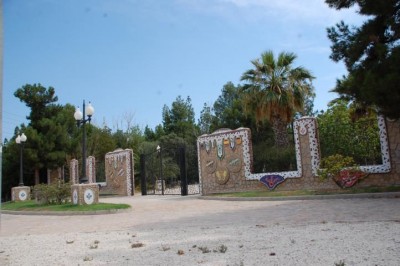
<point>129,58</point>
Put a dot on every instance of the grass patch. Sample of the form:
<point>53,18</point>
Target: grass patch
<point>255,194</point>
<point>33,206</point>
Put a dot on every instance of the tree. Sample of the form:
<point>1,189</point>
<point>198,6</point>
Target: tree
<point>275,91</point>
<point>343,131</point>
<point>371,54</point>
<point>179,119</point>
<point>37,98</point>
<point>50,129</point>
<point>205,120</point>
<point>228,109</point>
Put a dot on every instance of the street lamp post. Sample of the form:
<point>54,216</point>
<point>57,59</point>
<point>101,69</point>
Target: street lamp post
<point>81,121</point>
<point>20,140</point>
<point>161,170</point>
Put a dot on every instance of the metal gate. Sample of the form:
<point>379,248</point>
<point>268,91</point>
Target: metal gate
<point>163,172</point>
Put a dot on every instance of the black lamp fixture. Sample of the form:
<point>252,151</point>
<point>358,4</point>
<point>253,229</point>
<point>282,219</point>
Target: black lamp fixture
<point>20,140</point>
<point>81,121</point>
<point>159,151</point>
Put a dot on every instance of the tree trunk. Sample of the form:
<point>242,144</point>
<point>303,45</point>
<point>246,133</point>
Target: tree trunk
<point>280,132</point>
<point>37,176</point>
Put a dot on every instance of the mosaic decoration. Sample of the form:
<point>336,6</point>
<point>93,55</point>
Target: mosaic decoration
<point>241,137</point>
<point>222,176</point>
<point>88,196</point>
<point>220,148</point>
<point>22,195</point>
<point>305,127</point>
<point>385,166</point>
<point>208,146</point>
<point>234,163</point>
<point>91,169</point>
<point>308,125</point>
<point>349,177</point>
<point>232,143</point>
<point>74,171</point>
<point>211,166</point>
<point>119,172</point>
<point>272,181</point>
<point>75,196</point>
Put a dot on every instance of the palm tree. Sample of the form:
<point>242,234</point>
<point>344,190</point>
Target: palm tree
<point>275,91</point>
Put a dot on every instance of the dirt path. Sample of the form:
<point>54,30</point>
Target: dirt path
<point>178,230</point>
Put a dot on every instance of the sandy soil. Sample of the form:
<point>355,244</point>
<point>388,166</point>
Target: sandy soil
<point>191,231</point>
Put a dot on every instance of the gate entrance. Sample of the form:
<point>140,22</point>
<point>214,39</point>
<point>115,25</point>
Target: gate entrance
<point>163,172</point>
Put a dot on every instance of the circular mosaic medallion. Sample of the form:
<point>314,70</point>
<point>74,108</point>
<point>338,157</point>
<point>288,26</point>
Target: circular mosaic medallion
<point>222,176</point>
<point>234,164</point>
<point>75,196</point>
<point>303,130</point>
<point>23,195</point>
<point>88,196</point>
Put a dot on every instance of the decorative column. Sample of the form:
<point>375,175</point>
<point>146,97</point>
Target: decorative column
<point>91,169</point>
<point>74,171</point>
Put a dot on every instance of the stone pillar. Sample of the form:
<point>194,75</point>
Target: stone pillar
<point>84,194</point>
<point>74,171</point>
<point>309,146</point>
<point>91,169</point>
<point>120,172</point>
<point>22,193</point>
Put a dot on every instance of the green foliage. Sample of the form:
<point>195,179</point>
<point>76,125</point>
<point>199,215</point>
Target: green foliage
<point>332,165</point>
<point>170,144</point>
<point>179,119</point>
<point>37,98</point>
<point>273,159</point>
<point>206,117</point>
<point>275,91</point>
<point>371,54</point>
<point>180,130</point>
<point>33,206</point>
<point>275,88</point>
<point>340,132</point>
<point>53,194</point>
<point>228,112</point>
<point>51,131</point>
<point>228,109</point>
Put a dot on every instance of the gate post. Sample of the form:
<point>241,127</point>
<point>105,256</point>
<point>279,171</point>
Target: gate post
<point>182,164</point>
<point>143,174</point>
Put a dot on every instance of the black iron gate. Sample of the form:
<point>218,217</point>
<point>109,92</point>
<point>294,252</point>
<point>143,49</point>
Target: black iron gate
<point>163,172</point>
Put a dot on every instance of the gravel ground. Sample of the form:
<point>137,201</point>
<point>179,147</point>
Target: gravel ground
<point>192,231</point>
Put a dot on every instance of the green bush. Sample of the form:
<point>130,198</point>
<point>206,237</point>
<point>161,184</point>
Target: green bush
<point>332,165</point>
<point>59,193</point>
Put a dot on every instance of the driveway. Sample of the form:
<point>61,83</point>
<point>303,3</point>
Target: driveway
<point>175,230</point>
